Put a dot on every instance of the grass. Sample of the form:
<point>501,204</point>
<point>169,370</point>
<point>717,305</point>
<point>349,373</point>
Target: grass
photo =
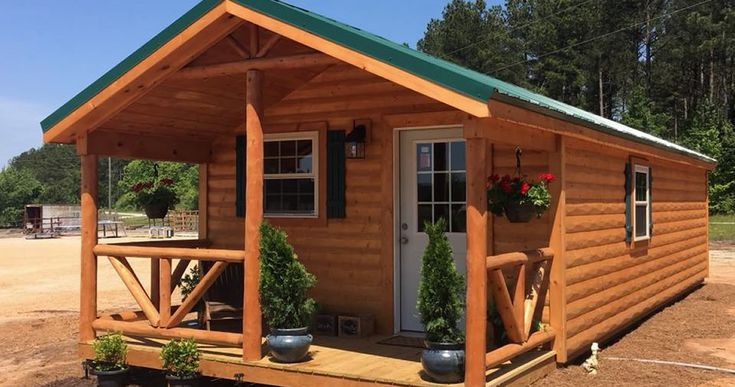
<point>721,227</point>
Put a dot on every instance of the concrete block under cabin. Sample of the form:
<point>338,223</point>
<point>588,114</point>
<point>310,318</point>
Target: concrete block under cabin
<point>264,97</point>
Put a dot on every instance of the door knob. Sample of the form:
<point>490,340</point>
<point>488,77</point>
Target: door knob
<point>404,240</point>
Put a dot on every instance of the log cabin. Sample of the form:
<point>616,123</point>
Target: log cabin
<point>349,142</point>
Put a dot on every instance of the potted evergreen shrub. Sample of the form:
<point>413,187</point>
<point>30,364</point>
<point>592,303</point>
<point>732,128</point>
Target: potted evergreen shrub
<point>109,364</point>
<point>440,303</point>
<point>519,198</point>
<point>286,308</point>
<point>181,362</point>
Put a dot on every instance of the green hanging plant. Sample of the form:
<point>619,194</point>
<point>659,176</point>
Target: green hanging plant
<point>441,288</point>
<point>284,282</point>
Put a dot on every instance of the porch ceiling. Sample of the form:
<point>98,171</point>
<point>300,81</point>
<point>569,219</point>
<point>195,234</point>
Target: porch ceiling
<point>202,108</point>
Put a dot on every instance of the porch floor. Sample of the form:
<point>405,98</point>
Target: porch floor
<point>336,362</point>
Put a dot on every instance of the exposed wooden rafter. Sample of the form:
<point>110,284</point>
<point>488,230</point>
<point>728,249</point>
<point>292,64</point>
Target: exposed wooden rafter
<point>242,67</point>
<point>237,47</point>
<point>268,46</point>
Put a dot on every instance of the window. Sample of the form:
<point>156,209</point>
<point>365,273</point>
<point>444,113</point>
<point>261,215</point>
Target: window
<point>440,184</point>
<point>642,202</point>
<point>290,165</point>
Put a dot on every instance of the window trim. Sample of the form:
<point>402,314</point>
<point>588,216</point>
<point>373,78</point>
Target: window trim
<point>645,169</point>
<point>315,171</point>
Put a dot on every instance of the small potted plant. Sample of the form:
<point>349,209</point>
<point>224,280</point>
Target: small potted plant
<point>286,308</point>
<point>155,196</point>
<point>109,364</point>
<point>440,303</point>
<point>518,198</point>
<point>181,362</point>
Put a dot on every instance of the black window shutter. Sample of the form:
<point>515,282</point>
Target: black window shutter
<point>240,176</point>
<point>650,201</point>
<point>336,174</point>
<point>628,204</point>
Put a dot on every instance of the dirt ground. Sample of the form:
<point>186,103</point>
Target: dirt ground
<point>700,329</point>
<point>39,294</point>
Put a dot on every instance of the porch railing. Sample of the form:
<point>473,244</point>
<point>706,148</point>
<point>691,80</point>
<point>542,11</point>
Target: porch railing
<point>517,311</point>
<point>163,318</point>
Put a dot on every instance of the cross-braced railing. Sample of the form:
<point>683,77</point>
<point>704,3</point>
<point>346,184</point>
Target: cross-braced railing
<point>163,318</point>
<point>517,311</point>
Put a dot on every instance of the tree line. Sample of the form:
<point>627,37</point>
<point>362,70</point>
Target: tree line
<point>663,66</point>
<point>51,175</point>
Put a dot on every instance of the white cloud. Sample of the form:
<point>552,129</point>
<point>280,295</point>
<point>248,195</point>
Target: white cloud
<point>19,126</point>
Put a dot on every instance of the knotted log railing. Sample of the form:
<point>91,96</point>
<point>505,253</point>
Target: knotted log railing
<point>517,311</point>
<point>163,319</point>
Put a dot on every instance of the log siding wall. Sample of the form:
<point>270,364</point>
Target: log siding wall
<point>352,258</point>
<point>610,284</point>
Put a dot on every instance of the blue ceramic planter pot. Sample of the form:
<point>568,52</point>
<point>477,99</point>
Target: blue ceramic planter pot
<point>444,362</point>
<point>289,345</point>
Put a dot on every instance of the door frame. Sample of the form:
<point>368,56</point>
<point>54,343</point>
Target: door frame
<point>397,216</point>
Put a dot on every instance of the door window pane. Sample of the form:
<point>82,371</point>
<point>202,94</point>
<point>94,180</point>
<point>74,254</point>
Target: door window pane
<point>423,187</point>
<point>459,218</point>
<point>440,156</point>
<point>441,187</point>
<point>458,161</point>
<point>423,157</point>
<point>424,215</point>
<point>441,211</point>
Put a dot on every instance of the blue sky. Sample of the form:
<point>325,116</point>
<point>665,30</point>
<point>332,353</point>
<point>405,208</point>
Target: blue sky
<point>52,49</point>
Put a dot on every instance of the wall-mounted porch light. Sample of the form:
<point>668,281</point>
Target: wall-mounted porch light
<point>357,138</point>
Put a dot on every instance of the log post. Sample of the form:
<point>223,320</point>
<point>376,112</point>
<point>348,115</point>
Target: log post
<point>476,313</point>
<point>88,286</point>
<point>164,291</point>
<point>557,277</point>
<point>155,281</point>
<point>253,215</point>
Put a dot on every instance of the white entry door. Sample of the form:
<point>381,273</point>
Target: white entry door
<point>432,185</point>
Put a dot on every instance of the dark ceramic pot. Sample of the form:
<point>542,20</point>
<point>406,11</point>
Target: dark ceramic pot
<point>519,213</point>
<point>289,345</point>
<point>156,210</point>
<point>115,378</point>
<point>183,381</point>
<point>444,362</point>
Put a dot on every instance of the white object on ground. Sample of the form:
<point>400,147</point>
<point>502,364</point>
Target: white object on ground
<point>590,365</point>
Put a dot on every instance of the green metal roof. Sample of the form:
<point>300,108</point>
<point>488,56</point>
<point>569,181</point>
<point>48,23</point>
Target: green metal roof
<point>475,85</point>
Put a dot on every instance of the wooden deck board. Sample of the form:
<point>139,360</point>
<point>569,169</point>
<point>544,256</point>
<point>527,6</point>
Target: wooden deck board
<point>336,361</point>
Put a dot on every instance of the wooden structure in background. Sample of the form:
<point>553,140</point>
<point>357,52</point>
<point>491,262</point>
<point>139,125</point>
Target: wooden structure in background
<point>213,87</point>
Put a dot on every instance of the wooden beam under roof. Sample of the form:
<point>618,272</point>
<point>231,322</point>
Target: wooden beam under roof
<point>242,67</point>
<point>131,146</point>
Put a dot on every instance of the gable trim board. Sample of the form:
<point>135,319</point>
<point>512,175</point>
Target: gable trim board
<point>446,82</point>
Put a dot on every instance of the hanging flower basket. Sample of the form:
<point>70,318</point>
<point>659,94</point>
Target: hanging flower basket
<point>519,212</point>
<point>519,199</point>
<point>155,196</point>
<point>156,210</point>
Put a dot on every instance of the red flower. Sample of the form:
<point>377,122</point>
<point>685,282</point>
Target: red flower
<point>506,178</point>
<point>137,187</point>
<point>524,188</point>
<point>494,178</point>
<point>505,186</point>
<point>167,181</point>
<point>547,177</point>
